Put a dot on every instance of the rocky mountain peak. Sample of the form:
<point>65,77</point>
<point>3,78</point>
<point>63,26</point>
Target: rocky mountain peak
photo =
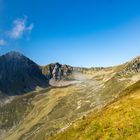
<point>13,54</point>
<point>19,74</point>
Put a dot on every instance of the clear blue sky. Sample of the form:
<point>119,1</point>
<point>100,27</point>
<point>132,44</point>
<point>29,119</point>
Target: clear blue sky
<point>76,32</point>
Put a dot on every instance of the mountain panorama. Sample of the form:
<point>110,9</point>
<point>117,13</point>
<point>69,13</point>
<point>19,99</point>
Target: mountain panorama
<point>61,102</point>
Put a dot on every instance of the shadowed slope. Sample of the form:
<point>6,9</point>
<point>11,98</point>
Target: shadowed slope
<point>18,74</point>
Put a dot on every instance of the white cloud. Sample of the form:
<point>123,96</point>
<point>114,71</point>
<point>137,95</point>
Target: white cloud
<point>29,28</point>
<point>20,28</point>
<point>2,42</point>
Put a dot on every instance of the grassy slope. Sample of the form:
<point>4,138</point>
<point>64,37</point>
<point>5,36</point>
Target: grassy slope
<point>56,109</point>
<point>37,117</point>
<point>12,113</point>
<point>119,120</point>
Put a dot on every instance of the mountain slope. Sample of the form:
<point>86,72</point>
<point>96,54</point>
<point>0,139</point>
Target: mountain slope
<point>47,112</point>
<point>19,75</point>
<point>119,120</point>
<point>59,107</point>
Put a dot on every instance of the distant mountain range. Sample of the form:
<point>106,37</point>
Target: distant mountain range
<point>19,74</point>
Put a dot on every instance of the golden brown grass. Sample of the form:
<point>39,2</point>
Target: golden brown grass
<point>118,121</point>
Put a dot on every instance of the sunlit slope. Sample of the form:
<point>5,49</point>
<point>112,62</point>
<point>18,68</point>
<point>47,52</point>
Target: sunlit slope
<point>74,93</point>
<point>56,109</point>
<point>118,121</point>
<point>37,117</point>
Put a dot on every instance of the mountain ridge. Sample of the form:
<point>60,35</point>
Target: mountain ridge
<point>55,71</point>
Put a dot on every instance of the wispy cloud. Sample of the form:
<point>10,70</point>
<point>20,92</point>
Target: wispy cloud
<point>2,42</point>
<point>20,28</point>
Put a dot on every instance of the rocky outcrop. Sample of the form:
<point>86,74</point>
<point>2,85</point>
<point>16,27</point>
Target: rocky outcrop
<point>57,71</point>
<point>60,72</point>
<point>131,67</point>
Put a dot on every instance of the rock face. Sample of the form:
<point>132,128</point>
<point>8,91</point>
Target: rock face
<point>61,72</point>
<point>57,71</point>
<point>131,67</point>
<point>18,74</point>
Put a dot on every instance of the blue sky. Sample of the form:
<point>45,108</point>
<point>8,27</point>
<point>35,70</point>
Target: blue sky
<point>75,32</point>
